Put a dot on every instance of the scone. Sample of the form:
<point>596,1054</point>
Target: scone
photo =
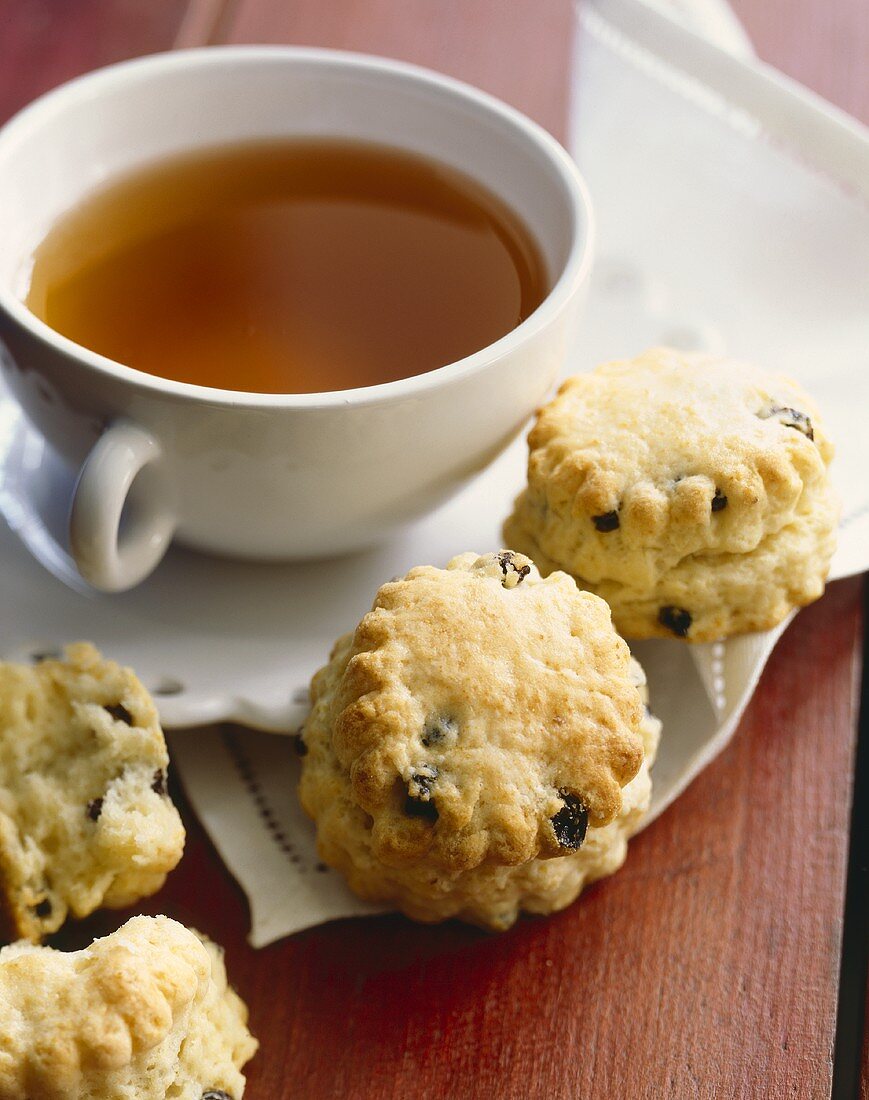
<point>143,1014</point>
<point>477,746</point>
<point>692,493</point>
<point>85,818</point>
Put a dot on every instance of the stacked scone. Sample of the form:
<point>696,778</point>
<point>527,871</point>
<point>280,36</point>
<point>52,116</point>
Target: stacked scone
<point>479,745</point>
<point>86,822</point>
<point>692,493</point>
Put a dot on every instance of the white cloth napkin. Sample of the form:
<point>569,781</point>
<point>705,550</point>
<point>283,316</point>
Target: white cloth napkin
<point>733,212</point>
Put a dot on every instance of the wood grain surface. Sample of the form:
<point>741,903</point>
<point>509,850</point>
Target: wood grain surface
<point>708,967</point>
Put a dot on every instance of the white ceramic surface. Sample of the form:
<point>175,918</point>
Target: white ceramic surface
<point>273,476</point>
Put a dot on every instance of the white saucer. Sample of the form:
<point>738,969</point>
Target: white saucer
<point>212,639</point>
<point>216,640</point>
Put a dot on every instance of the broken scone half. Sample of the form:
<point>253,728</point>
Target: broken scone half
<point>143,1014</point>
<point>85,816</point>
<point>479,745</point>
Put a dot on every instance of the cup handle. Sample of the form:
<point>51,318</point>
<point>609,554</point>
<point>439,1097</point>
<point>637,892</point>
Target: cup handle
<point>123,514</point>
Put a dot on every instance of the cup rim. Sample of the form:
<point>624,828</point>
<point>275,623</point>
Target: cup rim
<point>574,272</point>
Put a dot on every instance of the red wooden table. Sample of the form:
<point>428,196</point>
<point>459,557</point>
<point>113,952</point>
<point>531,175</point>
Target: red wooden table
<point>710,965</point>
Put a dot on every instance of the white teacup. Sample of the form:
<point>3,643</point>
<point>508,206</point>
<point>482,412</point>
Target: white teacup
<point>267,476</point>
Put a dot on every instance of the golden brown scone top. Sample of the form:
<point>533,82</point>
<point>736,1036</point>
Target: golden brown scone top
<point>482,713</point>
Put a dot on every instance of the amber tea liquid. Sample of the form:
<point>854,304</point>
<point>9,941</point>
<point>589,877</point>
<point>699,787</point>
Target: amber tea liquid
<point>288,267</point>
